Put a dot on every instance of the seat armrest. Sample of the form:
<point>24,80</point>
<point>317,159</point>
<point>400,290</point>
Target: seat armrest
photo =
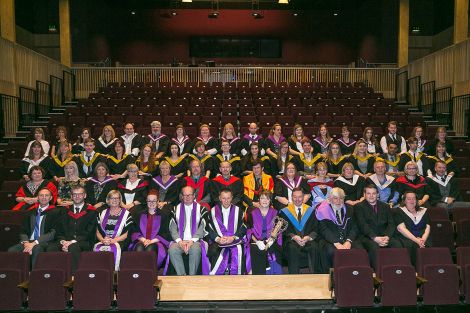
<point>420,281</point>
<point>68,284</point>
<point>158,284</point>
<point>377,282</point>
<point>331,282</point>
<point>24,285</point>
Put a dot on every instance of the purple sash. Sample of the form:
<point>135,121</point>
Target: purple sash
<point>326,212</point>
<point>277,143</point>
<point>114,248</point>
<point>228,253</point>
<point>158,180</point>
<point>162,244</point>
<point>205,265</point>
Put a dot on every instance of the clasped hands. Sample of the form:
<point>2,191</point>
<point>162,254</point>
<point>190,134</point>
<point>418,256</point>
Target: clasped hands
<point>146,242</point>
<point>382,241</point>
<point>301,241</point>
<point>108,241</point>
<point>185,245</point>
<point>224,240</point>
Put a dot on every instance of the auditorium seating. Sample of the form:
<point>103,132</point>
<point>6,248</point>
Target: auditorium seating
<point>397,275</point>
<point>353,280</point>
<point>93,281</point>
<point>46,291</point>
<point>442,279</point>
<point>463,261</point>
<point>14,269</point>
<point>136,288</point>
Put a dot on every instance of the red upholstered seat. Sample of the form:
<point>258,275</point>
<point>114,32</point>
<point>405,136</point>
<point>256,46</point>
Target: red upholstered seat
<point>398,275</point>
<point>14,269</point>
<point>436,266</point>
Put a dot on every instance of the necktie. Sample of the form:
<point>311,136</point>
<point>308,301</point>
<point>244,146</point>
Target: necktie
<point>299,214</point>
<point>394,138</point>
<point>88,158</point>
<point>338,217</point>
<point>37,225</point>
<point>226,158</point>
<point>392,158</point>
<point>443,178</point>
<point>76,210</point>
<point>252,137</point>
<point>375,208</point>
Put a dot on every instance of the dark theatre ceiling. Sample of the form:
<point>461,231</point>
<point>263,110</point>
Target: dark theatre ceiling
<point>118,28</point>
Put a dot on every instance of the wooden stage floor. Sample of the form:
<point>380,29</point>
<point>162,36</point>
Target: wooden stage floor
<point>245,288</point>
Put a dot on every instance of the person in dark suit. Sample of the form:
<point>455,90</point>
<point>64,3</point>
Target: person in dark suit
<point>375,223</point>
<point>88,159</point>
<point>300,236</point>
<point>39,227</point>
<point>337,227</point>
<point>444,189</point>
<point>76,227</point>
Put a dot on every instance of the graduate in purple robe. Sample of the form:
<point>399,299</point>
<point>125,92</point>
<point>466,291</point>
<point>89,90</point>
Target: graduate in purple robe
<point>114,224</point>
<point>187,229</point>
<point>152,230</point>
<point>227,232</point>
<point>263,253</point>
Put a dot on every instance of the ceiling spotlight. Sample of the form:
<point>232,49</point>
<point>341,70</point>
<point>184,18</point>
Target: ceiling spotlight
<point>255,9</point>
<point>415,29</point>
<point>215,9</point>
<point>133,12</point>
<point>173,13</point>
<point>213,14</point>
<point>295,14</point>
<point>335,14</point>
<point>187,1</point>
<point>283,2</point>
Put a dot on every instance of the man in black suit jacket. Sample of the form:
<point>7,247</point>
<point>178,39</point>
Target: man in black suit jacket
<point>375,223</point>
<point>299,237</point>
<point>39,227</point>
<point>76,229</point>
<point>444,189</point>
<point>337,227</point>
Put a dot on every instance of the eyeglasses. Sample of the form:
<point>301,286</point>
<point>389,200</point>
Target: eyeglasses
<point>152,201</point>
<point>77,194</point>
<point>113,198</point>
<point>190,195</point>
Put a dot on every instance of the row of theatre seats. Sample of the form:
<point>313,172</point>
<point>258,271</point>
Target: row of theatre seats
<point>51,284</point>
<point>94,285</point>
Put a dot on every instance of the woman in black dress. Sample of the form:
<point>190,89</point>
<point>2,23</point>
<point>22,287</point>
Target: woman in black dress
<point>413,226</point>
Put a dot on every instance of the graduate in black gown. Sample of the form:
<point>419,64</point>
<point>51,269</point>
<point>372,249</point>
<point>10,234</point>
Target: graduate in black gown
<point>233,140</point>
<point>36,157</point>
<point>105,143</point>
<point>254,155</point>
<point>118,160</point>
<point>168,187</point>
<point>285,185</point>
<point>225,180</point>
<point>98,186</point>
<point>250,138</point>
<point>412,222</point>
<point>226,155</point>
<point>178,162</point>
<point>352,185</point>
<point>337,227</point>
<point>158,141</point>
<point>62,158</point>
